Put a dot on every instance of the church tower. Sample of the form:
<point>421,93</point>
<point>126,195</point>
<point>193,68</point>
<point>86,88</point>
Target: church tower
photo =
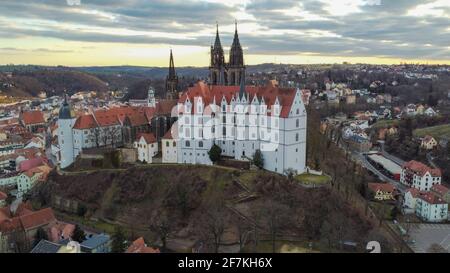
<point>151,100</point>
<point>66,120</point>
<point>236,67</point>
<point>171,81</point>
<point>217,66</point>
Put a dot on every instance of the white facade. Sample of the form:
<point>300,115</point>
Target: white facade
<point>146,150</point>
<point>25,182</point>
<point>240,127</point>
<point>66,141</point>
<point>169,149</point>
<point>431,211</point>
<point>422,183</point>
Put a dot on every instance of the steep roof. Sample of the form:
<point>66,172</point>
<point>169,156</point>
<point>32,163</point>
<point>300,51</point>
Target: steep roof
<point>28,220</point>
<point>137,115</point>
<point>38,218</point>
<point>269,93</point>
<point>440,189</point>
<point>45,246</point>
<point>385,187</point>
<point>139,246</point>
<point>31,163</point>
<point>148,137</point>
<point>85,122</point>
<point>432,198</point>
<point>33,117</point>
<point>168,135</point>
<point>421,168</point>
<point>95,241</point>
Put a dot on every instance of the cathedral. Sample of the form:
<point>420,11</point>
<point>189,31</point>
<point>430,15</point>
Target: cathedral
<point>221,72</point>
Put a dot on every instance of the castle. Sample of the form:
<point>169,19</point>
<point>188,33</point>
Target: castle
<point>239,118</point>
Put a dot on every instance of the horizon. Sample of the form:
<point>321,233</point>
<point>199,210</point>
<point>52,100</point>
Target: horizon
<point>79,33</point>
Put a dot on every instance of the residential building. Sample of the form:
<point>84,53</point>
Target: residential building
<point>96,243</point>
<point>32,120</point>
<point>19,221</point>
<point>139,246</point>
<point>430,112</point>
<point>382,191</point>
<point>431,208</point>
<point>147,147</point>
<point>428,142</point>
<point>409,200</point>
<point>441,191</point>
<point>418,175</point>
<point>169,148</point>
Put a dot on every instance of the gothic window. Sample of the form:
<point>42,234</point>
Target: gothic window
<point>188,143</point>
<point>200,144</point>
<point>296,137</point>
<point>297,123</point>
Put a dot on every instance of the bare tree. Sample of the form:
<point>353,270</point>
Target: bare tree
<point>162,227</point>
<point>276,219</point>
<point>243,228</point>
<point>213,221</point>
<point>95,136</point>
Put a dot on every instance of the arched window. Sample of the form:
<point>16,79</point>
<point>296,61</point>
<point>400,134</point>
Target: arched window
<point>188,144</point>
<point>296,137</point>
<point>298,111</point>
<point>200,144</point>
<point>297,123</point>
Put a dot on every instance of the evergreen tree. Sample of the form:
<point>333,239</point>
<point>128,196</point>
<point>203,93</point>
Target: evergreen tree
<point>214,153</point>
<point>258,159</point>
<point>78,234</point>
<point>40,235</point>
<point>118,244</point>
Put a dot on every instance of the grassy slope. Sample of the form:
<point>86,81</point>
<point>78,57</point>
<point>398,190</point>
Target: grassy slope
<point>436,131</point>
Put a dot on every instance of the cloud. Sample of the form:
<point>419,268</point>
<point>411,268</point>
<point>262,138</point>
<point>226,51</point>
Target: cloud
<point>363,28</point>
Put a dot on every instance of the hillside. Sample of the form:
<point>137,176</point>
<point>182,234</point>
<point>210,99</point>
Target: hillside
<point>53,81</point>
<point>197,198</point>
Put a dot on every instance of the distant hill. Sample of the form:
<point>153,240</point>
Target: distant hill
<point>53,81</point>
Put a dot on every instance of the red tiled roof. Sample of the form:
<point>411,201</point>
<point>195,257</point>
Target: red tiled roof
<point>27,220</point>
<point>168,135</point>
<point>427,138</point>
<point>440,189</point>
<point>85,122</point>
<point>215,93</point>
<point>384,187</point>
<point>148,137</point>
<point>421,168</point>
<point>431,198</point>
<point>115,116</point>
<point>31,163</point>
<point>38,218</point>
<point>139,246</point>
<point>164,107</point>
<point>414,192</point>
<point>33,117</point>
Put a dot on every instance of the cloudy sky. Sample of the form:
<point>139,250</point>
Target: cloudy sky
<point>141,32</point>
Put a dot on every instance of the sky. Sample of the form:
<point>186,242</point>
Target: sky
<point>141,32</point>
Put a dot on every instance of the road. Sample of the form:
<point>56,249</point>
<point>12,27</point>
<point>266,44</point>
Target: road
<point>430,161</point>
<point>362,160</point>
<point>389,156</point>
